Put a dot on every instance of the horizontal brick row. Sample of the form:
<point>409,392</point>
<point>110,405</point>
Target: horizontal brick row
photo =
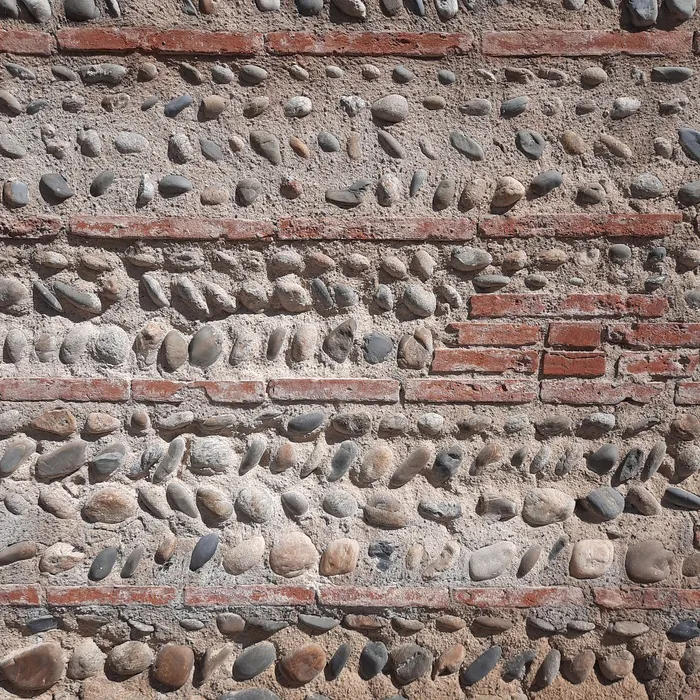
<point>123,227</point>
<point>541,42</point>
<point>299,389</point>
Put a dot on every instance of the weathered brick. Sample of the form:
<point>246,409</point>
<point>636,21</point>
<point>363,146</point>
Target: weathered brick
<point>67,389</point>
<point>581,42</point>
<point>597,393</point>
<point>555,596</point>
<point>32,227</point>
<point>496,334</point>
<point>651,335</point>
<point>349,43</point>
<point>150,39</point>
<point>417,229</point>
<point>313,389</point>
<point>170,228</point>
<point>386,597</point>
<point>647,598</point>
<point>267,594</point>
<point>576,305</point>
<point>580,225</point>
<point>688,394</point>
<point>573,364</point>
<point>506,391</point>
<point>665,365</point>
<point>21,42</point>
<point>485,360</point>
<point>20,594</point>
<point>574,334</point>
<point>110,595</point>
<point>223,391</point>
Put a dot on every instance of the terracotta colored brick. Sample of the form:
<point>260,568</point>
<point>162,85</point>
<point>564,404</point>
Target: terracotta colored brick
<point>69,389</point>
<point>573,364</point>
<point>174,228</point>
<point>349,43</point>
<point>556,596</point>
<point>425,229</point>
<point>29,226</point>
<point>110,595</point>
<point>651,335</point>
<point>594,305</point>
<point>658,364</point>
<point>20,594</point>
<point>496,334</point>
<point>688,394</point>
<point>268,594</point>
<point>581,42</point>
<point>388,597</point>
<point>507,391</point>
<point>21,42</point>
<point>647,598</point>
<point>574,334</point>
<point>507,305</point>
<point>150,39</point>
<point>310,389</point>
<point>224,391</point>
<point>580,225</point>
<point>485,360</point>
<point>597,393</point>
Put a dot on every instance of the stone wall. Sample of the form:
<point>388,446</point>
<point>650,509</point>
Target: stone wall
<point>349,350</point>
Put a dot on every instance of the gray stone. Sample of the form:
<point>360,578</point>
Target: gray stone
<point>254,660</point>
<point>545,182</point>
<point>643,13</point>
<point>681,9</point>
<point>103,564</point>
<point>409,663</point>
<point>339,504</point>
<point>480,667</point>
<point>646,186</point>
<point>605,503</point>
<point>205,347</point>
<point>173,186</point>
<point>465,259</point>
<point>54,188</point>
<point>514,106</point>
<point>342,460</point>
<point>62,461</point>
<point>530,143</point>
<point>491,561</point>
<point>204,550</point>
<point>682,499</point>
<point>177,104</point>
<point>549,669</point>
<point>631,465</point>
<point>16,453</point>
<point>339,341</point>
<point>467,146</point>
<point>373,659</point>
<point>391,108</point>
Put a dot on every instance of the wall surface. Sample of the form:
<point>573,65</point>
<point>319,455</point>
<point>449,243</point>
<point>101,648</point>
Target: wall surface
<point>349,350</point>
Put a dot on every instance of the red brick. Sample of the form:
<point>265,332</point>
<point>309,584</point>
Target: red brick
<point>21,42</point>
<point>310,389</point>
<point>595,305</point>
<point>266,594</point>
<point>573,364</point>
<point>150,39</point>
<point>597,393</point>
<point>518,597</point>
<point>386,597</point>
<point>485,360</point>
<point>496,334</point>
<point>110,595</point>
<point>574,334</point>
<point>427,229</point>
<point>658,364</point>
<point>650,335</point>
<point>20,594</point>
<point>647,598</point>
<point>349,43</point>
<point>507,391</point>
<point>29,226</point>
<point>688,394</point>
<point>580,225</point>
<point>175,228</point>
<point>223,391</point>
<point>581,42</point>
<point>70,389</point>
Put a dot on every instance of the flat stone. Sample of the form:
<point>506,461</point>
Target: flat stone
<point>480,667</point>
<point>373,659</point>
<point>34,668</point>
<point>605,503</point>
<point>62,461</point>
<point>648,562</point>
<point>491,561</point>
<point>251,662</point>
<point>547,506</point>
<point>591,558</point>
<point>303,664</point>
<point>292,555</point>
<point>604,458</point>
<point>337,662</point>
<point>204,550</point>
<point>103,564</point>
<point>516,668</point>
<point>467,146</point>
<point>549,669</point>
<point>684,631</point>
<point>530,143</point>
<point>409,663</point>
<point>173,665</point>
<point>529,560</point>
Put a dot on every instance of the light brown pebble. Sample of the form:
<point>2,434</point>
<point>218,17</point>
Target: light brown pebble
<point>573,142</point>
<point>304,663</point>
<point>354,146</point>
<point>173,665</point>
<point>340,557</point>
<point>299,147</point>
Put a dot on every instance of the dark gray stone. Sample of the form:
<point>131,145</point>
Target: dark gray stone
<point>132,562</point>
<point>103,564</point>
<point>447,463</point>
<point>514,106</point>
<point>54,188</point>
<point>62,461</point>
<point>480,667</point>
<point>682,499</point>
<point>530,143</point>
<point>373,659</point>
<point>604,458</point>
<point>684,631</point>
<point>305,424</point>
<point>410,662</point>
<point>318,623</point>
<point>516,668</point>
<point>204,550</point>
<point>176,105</point>
<point>337,662</point>
<point>631,465</point>
<point>690,142</point>
<point>439,512</point>
<point>376,347</point>
<point>342,460</point>
<point>173,185</point>
<point>605,502</point>
<point>545,182</point>
<point>251,662</point>
<point>549,670</point>
<point>466,145</point>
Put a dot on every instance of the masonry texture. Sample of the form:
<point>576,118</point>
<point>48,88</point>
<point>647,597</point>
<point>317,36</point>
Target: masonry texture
<point>349,350</point>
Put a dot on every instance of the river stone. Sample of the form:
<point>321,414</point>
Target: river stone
<point>681,498</point>
<point>385,511</point>
<point>409,663</point>
<point>173,185</point>
<point>54,188</point>
<point>643,501</point>
<point>244,556</point>
<point>292,555</point>
<point>419,300</point>
<point>648,562</point>
<point>508,191</point>
<point>545,182</point>
<point>466,145</point>
<point>339,504</point>
<point>109,505</point>
<point>529,560</point>
<point>378,460</point>
<point>616,665</point>
<point>549,669</point>
<point>591,558</point>
<point>447,463</point>
<point>62,461</point>
<point>12,293</point>
<point>339,341</point>
<point>16,453</point>
<point>17,552</point>
<point>103,564</point>
<point>605,503</point>
<point>252,661</point>
<point>373,659</point>
<point>604,458</point>
<point>205,347</point>
<point>687,462</point>
<point>173,665</point>
<point>391,108</point>
<point>352,423</point>
<point>253,454</point>
<point>684,631</point>
<point>170,460</point>
<point>547,506</point>
<point>86,661</point>
<point>34,668</point>
<point>340,557</point>
<point>414,463</point>
<point>643,13</point>
<point>108,459</point>
<point>530,143</point>
<point>491,561</point>
<point>204,550</point>
<point>214,505</point>
<point>480,667</point>
<point>654,459</point>
<point>210,455</point>
<point>514,106</point>
<point>303,664</point>
<point>305,424</point>
<point>516,668</point>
